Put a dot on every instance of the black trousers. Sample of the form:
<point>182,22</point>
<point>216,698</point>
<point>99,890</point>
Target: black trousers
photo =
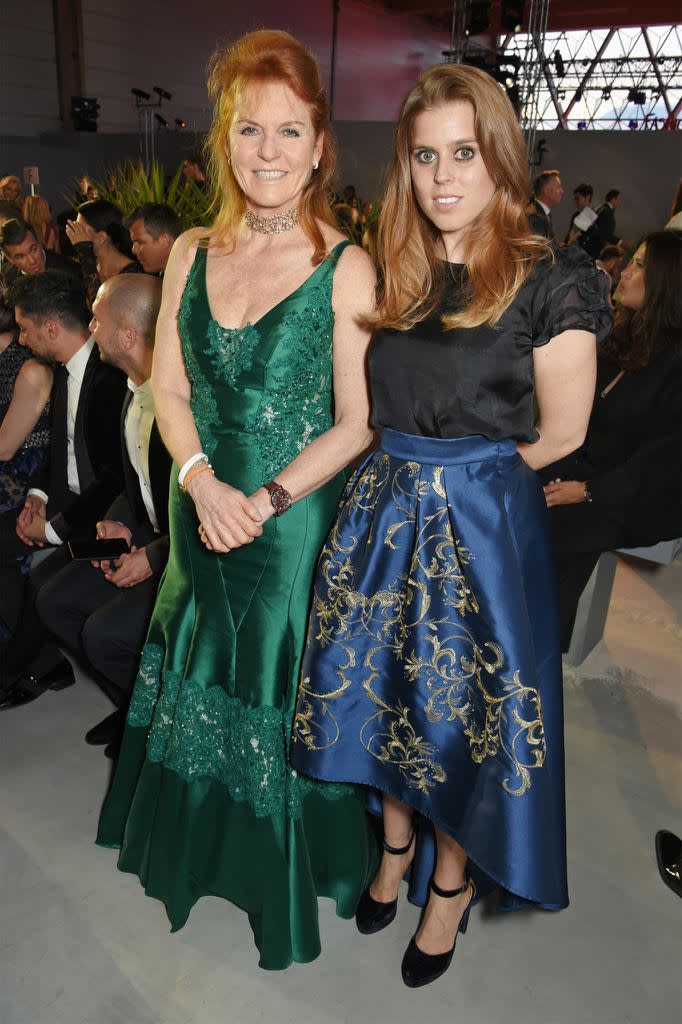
<point>31,647</point>
<point>92,617</point>
<point>580,534</point>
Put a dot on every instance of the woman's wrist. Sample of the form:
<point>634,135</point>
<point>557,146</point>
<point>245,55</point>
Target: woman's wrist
<point>261,499</point>
<point>197,478</point>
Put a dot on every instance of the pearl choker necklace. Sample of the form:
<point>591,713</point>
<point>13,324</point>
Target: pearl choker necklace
<point>274,225</point>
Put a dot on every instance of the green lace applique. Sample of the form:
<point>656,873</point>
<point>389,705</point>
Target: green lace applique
<point>202,403</point>
<point>231,351</point>
<point>200,732</point>
<point>296,409</point>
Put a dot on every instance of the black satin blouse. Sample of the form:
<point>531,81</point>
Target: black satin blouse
<point>479,380</point>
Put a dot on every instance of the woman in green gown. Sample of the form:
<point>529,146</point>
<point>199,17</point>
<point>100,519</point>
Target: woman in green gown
<point>261,398</point>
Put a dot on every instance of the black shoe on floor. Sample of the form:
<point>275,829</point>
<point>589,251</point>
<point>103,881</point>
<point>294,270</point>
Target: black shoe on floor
<point>113,749</point>
<point>669,857</point>
<point>29,688</point>
<point>108,730</point>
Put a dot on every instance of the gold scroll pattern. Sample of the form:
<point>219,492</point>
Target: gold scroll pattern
<point>459,678</point>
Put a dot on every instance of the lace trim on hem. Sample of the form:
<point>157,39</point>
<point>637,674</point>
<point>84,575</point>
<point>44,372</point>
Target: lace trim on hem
<point>200,732</point>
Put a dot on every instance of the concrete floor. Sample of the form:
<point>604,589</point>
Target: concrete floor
<point>80,944</point>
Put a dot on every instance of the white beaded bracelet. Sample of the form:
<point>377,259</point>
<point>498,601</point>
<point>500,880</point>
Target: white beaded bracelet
<point>188,465</point>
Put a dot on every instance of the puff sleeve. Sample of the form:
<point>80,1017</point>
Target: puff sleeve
<point>572,295</point>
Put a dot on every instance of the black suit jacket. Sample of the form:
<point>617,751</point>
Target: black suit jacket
<point>97,448</point>
<point>53,261</point>
<point>129,507</point>
<point>633,451</point>
<point>540,222</point>
<point>606,225</point>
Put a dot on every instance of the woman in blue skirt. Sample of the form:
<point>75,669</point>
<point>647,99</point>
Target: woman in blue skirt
<point>432,672</point>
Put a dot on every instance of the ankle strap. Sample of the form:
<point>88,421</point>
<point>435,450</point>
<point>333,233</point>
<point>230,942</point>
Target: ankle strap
<point>398,850</point>
<point>449,893</point>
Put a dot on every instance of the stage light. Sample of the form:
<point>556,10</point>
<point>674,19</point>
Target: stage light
<point>84,113</point>
<point>161,121</point>
<point>511,16</point>
<point>637,96</point>
<point>179,123</point>
<point>140,94</point>
<point>478,19</point>
<point>162,94</point>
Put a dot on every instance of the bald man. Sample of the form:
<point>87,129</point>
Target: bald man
<point>102,610</point>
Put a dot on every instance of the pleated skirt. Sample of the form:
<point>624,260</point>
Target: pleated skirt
<point>432,668</point>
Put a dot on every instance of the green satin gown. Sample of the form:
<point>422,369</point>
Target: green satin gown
<point>204,800</point>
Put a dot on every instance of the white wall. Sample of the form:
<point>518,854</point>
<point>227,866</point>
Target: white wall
<point>29,101</point>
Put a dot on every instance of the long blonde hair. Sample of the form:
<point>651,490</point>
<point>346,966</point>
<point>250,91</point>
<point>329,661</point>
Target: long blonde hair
<point>36,212</point>
<point>502,251</point>
<point>266,56</point>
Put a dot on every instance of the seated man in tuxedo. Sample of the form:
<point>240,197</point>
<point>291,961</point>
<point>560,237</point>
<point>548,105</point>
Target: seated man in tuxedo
<point>25,254</point>
<point>81,475</point>
<point>103,609</point>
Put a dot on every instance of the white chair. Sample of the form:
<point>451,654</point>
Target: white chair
<point>593,606</point>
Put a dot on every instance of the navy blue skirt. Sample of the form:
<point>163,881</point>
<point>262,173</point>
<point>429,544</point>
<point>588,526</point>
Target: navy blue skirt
<point>432,669</point>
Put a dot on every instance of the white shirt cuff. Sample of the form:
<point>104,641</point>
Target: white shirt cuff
<point>186,466</point>
<point>38,493</point>
<point>51,535</point>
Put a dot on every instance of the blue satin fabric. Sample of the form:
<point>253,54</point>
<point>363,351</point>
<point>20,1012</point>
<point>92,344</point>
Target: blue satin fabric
<point>432,670</point>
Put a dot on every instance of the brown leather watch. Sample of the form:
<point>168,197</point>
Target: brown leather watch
<point>280,498</point>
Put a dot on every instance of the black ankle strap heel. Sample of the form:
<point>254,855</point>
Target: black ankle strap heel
<point>448,894</point>
<point>398,851</point>
<point>372,916</point>
<point>419,968</point>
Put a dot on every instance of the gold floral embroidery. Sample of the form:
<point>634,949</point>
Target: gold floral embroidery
<point>461,679</point>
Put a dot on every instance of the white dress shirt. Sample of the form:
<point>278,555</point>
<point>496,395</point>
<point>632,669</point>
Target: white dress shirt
<point>76,371</point>
<point>137,432</point>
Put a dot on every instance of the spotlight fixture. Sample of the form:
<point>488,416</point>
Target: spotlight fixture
<point>140,94</point>
<point>637,96</point>
<point>162,94</point>
<point>511,15</point>
<point>478,19</point>
<point>606,93</point>
<point>179,123</point>
<point>633,125</point>
<point>161,121</point>
<point>581,126</point>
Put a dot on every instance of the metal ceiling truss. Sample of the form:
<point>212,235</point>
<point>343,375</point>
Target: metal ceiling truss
<point>601,79</point>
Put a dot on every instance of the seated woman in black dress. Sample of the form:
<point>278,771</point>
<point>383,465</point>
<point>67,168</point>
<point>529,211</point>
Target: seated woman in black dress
<point>622,487</point>
<point>433,672</point>
<point>25,385</point>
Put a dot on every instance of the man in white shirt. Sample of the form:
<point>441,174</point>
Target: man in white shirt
<point>103,609</point>
<point>82,474</point>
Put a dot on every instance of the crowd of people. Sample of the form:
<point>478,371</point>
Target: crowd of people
<point>285,644</point>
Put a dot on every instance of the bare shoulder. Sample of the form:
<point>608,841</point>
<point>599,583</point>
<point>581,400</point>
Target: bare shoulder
<point>186,245</point>
<point>355,270</point>
<point>35,374</point>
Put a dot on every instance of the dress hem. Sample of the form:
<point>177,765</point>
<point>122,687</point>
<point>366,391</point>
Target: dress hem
<point>176,928</point>
<point>400,797</point>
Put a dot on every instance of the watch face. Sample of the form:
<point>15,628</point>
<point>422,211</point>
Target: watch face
<point>281,500</point>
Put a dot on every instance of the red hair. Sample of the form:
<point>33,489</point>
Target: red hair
<point>267,56</point>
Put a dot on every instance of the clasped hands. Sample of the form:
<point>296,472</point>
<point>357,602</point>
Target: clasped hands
<point>30,525</point>
<point>228,518</point>
<point>564,492</point>
<point>127,569</point>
